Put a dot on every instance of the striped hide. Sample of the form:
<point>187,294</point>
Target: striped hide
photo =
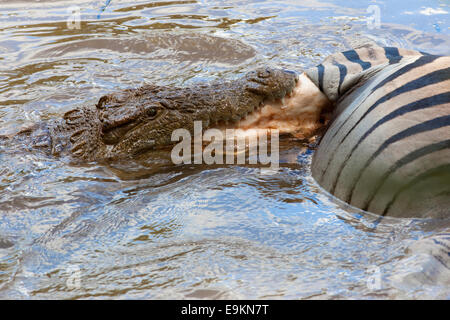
<point>387,148</point>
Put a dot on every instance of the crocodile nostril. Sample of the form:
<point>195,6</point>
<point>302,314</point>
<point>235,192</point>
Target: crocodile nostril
<point>101,102</point>
<point>264,73</point>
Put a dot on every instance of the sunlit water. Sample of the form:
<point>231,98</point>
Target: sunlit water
<point>139,229</point>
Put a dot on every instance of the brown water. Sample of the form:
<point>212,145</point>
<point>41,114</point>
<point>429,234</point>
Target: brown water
<point>140,229</point>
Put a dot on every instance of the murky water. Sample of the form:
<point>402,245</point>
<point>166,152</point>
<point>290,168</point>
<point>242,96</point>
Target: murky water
<point>138,229</point>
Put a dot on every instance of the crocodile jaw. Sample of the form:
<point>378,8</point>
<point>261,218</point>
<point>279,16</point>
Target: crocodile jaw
<point>298,113</point>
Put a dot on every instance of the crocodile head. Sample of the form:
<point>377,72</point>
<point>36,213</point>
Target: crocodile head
<point>133,121</point>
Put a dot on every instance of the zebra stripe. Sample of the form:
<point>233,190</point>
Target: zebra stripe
<point>320,70</point>
<point>429,149</point>
<point>353,56</point>
<point>435,171</point>
<point>390,134</point>
<point>342,73</point>
<point>408,87</point>
<point>416,105</point>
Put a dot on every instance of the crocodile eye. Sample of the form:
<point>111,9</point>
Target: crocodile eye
<point>152,112</point>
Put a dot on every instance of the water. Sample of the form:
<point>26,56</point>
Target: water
<point>149,229</point>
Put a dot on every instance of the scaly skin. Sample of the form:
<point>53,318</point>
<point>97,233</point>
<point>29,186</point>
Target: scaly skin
<point>132,121</point>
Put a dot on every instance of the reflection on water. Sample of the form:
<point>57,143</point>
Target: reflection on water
<point>149,229</point>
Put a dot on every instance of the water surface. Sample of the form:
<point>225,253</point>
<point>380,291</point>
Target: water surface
<point>140,229</point>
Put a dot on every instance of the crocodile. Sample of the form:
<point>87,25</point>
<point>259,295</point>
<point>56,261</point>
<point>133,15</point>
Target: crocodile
<point>132,121</point>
